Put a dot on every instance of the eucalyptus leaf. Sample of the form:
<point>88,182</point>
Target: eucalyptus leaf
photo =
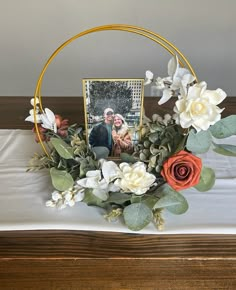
<point>199,142</point>
<point>225,149</point>
<point>137,216</point>
<point>125,157</point>
<point>150,201</point>
<point>118,197</point>
<point>172,200</point>
<point>61,179</point>
<point>207,179</point>
<point>62,148</point>
<point>153,137</point>
<point>224,128</point>
<point>92,200</point>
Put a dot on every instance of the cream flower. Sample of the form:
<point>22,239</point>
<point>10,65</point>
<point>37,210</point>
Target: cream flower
<point>135,178</point>
<point>198,108</point>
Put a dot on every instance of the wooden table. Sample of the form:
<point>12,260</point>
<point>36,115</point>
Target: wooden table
<point>102,260</point>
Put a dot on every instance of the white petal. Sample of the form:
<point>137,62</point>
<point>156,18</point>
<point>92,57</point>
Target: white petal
<point>50,115</point>
<point>167,94</point>
<point>181,72</point>
<point>50,203</point>
<point>91,182</point>
<point>31,119</point>
<point>71,203</point>
<point>68,196</point>
<point>188,78</point>
<point>110,171</point>
<point>215,97</point>
<point>79,196</point>
<point>113,187</point>
<point>32,101</point>
<point>100,193</point>
<point>56,195</point>
<point>45,122</point>
<point>185,120</point>
<point>94,173</point>
<point>149,77</point>
<point>201,124</point>
<point>173,65</point>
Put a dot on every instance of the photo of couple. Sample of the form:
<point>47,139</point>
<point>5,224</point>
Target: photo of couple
<point>113,134</point>
<point>112,111</point>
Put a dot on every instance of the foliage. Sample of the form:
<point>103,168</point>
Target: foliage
<point>163,163</point>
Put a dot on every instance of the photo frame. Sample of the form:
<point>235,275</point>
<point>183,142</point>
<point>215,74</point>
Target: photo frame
<point>113,109</point>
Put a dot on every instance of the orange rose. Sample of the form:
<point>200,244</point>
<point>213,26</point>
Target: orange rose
<point>182,170</point>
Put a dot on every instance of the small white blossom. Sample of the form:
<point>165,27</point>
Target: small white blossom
<point>66,198</point>
<point>30,118</point>
<point>148,77</point>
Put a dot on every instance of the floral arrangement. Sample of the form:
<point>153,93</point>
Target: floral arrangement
<point>163,164</point>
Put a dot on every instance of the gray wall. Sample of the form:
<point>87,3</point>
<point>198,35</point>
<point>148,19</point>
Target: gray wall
<point>30,30</point>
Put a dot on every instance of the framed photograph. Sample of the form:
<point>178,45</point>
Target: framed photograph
<point>113,109</point>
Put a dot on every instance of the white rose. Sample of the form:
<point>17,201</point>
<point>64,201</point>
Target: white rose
<point>199,107</point>
<point>135,178</point>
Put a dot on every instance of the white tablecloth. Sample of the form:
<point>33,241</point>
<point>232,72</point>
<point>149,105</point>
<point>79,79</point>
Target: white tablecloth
<point>23,196</point>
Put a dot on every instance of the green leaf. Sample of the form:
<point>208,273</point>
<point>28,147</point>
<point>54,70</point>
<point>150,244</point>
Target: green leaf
<point>200,142</point>
<point>207,179</point>
<point>118,197</point>
<point>137,216</point>
<point>225,149</point>
<point>224,128</point>
<point>125,157</point>
<point>172,200</point>
<point>153,137</point>
<point>62,148</point>
<point>92,200</point>
<point>150,201</point>
<point>61,179</point>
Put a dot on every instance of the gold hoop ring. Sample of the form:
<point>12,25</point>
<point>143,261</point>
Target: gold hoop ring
<point>121,27</point>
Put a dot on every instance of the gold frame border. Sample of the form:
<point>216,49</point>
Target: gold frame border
<point>120,27</point>
<point>111,79</point>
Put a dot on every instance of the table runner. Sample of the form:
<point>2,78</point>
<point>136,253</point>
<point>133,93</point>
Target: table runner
<point>23,196</point>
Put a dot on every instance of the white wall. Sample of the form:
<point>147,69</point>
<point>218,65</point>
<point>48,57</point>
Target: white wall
<point>30,30</point>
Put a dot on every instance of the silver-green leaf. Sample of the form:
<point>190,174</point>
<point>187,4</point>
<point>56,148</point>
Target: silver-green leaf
<point>224,128</point>
<point>137,216</point>
<point>207,179</point>
<point>172,200</point>
<point>61,179</point>
<point>225,149</point>
<point>199,142</point>
<point>62,148</point>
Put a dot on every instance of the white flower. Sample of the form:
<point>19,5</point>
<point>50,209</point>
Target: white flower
<point>148,77</point>
<point>178,78</point>
<point>101,186</point>
<point>135,178</point>
<point>198,108</point>
<point>67,197</point>
<point>48,120</point>
<point>30,118</point>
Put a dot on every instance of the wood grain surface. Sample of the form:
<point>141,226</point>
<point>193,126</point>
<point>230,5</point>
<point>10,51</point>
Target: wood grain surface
<point>103,260</point>
<point>14,110</point>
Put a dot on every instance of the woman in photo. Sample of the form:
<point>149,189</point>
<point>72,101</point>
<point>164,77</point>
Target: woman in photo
<point>121,137</point>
